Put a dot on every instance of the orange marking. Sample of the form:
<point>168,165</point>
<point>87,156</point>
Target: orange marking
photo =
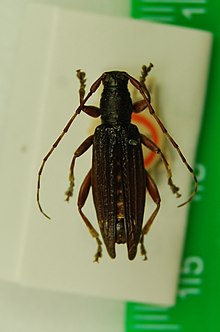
<point>153,132</point>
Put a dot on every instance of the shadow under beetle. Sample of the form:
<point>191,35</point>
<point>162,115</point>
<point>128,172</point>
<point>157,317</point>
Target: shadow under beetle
<point>118,178</point>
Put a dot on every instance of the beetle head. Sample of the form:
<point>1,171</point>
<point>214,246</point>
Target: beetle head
<point>115,79</point>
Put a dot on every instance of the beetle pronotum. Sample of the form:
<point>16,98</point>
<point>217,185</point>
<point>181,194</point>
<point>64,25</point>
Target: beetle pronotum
<point>118,179</point>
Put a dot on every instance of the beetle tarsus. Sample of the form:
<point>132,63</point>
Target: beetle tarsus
<point>82,78</point>
<point>99,251</point>
<point>144,73</point>
<point>69,192</point>
<point>174,188</point>
<point>142,248</point>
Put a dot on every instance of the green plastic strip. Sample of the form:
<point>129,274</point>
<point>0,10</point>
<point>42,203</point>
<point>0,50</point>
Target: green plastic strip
<point>198,301</point>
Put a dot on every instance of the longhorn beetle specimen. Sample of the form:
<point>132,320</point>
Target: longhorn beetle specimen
<point>118,179</point>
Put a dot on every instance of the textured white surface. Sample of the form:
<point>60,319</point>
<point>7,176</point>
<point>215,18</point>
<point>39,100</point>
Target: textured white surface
<point>58,255</point>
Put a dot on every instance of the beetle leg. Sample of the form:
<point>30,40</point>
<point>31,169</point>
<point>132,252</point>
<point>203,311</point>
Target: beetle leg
<point>81,75</point>
<point>154,193</point>
<point>81,149</point>
<point>83,194</point>
<point>144,73</point>
<point>90,110</point>
<point>140,105</point>
<point>153,147</point>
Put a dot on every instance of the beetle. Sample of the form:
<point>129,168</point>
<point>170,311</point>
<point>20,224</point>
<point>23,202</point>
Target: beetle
<point>118,178</point>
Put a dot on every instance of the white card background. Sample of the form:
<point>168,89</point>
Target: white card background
<point>58,255</point>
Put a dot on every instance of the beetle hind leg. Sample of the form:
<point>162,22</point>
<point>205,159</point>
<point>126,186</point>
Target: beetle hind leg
<point>83,194</point>
<point>154,193</point>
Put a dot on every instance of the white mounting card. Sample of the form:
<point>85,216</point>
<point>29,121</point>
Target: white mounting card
<point>58,254</point>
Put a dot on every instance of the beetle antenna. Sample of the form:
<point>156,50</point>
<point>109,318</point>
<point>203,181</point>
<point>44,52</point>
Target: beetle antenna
<point>93,88</point>
<point>142,91</point>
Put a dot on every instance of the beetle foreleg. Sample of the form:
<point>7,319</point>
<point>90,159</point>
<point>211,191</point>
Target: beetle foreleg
<point>90,110</point>
<point>81,75</point>
<point>81,149</point>
<point>144,73</point>
<point>154,193</point>
<point>153,147</point>
<point>140,105</point>
<point>83,194</point>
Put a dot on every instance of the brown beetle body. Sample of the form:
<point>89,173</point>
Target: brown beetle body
<point>118,179</point>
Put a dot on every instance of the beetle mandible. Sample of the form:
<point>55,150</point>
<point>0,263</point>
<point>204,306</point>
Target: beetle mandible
<point>118,178</point>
